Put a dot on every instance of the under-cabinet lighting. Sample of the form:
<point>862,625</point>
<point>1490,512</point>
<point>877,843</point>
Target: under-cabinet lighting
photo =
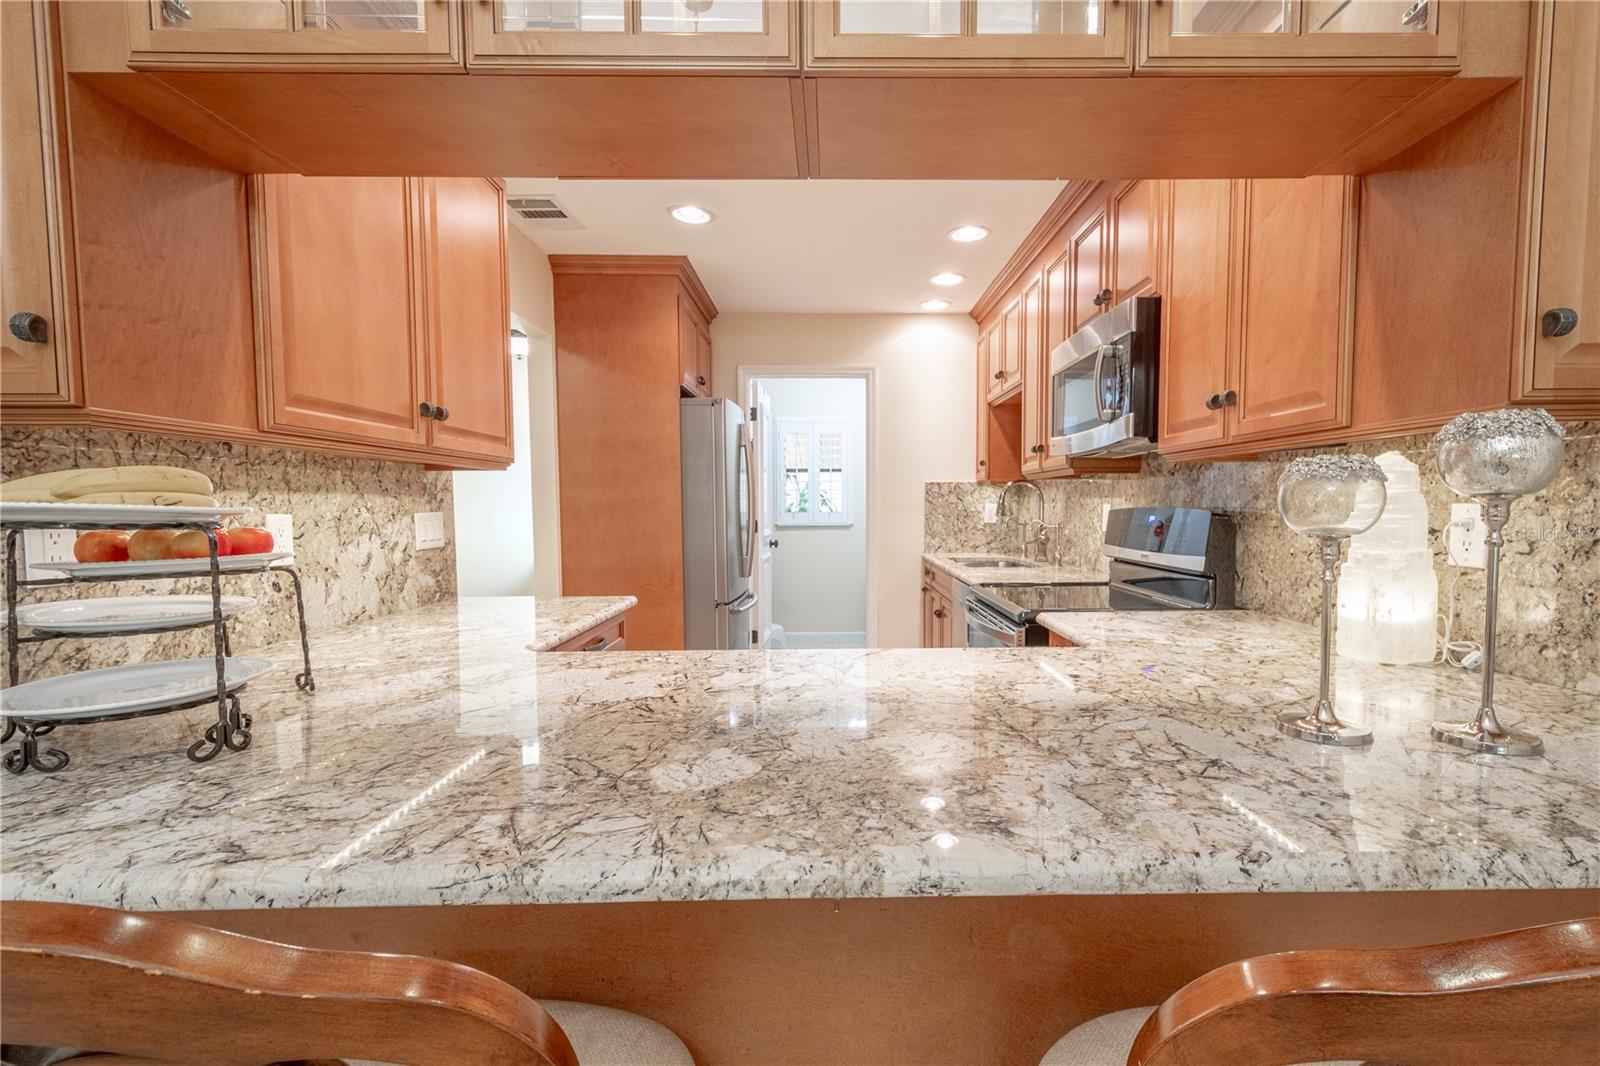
<point>934,305</point>
<point>947,277</point>
<point>519,344</point>
<point>691,214</point>
<point>968,234</point>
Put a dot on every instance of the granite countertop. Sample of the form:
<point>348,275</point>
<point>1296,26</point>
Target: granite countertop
<point>1032,574</point>
<point>557,619</point>
<point>440,761</point>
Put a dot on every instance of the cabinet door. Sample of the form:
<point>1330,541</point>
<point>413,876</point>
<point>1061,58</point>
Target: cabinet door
<point>35,271</point>
<point>953,34</point>
<point>1057,309</point>
<point>1564,253</point>
<point>946,618</point>
<point>702,360</point>
<point>982,408</point>
<point>392,35</point>
<point>664,33</point>
<point>469,378</point>
<point>338,298</point>
<point>1291,358</point>
<point>1195,313</point>
<point>930,624</point>
<point>1010,366</point>
<point>1033,371</point>
<point>692,376</point>
<point>1133,218</point>
<point>995,356</point>
<point>1297,34</point>
<point>1088,295</point>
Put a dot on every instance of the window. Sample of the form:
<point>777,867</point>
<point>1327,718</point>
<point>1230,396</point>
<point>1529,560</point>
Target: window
<point>814,478</point>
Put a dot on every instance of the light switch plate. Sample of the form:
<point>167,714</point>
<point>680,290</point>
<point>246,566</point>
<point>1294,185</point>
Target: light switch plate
<point>1464,536</point>
<point>43,546</point>
<point>430,530</point>
<point>281,526</point>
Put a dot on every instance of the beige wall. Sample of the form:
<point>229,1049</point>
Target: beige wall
<point>923,421</point>
<point>533,301</point>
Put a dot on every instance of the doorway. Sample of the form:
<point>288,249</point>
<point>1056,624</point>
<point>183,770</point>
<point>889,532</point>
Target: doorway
<point>813,474</point>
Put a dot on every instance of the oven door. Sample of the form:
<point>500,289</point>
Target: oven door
<point>1102,384</point>
<point>985,629</point>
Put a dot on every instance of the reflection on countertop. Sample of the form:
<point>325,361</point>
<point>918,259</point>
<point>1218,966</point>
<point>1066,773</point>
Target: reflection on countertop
<point>440,761</point>
<point>960,566</point>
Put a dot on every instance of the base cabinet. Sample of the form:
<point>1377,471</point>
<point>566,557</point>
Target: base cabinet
<point>938,610</point>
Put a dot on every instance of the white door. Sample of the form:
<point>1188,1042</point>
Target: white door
<point>766,441</point>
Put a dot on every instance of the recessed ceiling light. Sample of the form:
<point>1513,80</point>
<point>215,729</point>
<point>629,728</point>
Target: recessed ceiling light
<point>948,277</point>
<point>968,234</point>
<point>692,215</point>
<point>934,305</point>
<point>946,840</point>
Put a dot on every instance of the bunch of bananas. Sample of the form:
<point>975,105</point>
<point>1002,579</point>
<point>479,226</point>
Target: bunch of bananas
<point>163,486</point>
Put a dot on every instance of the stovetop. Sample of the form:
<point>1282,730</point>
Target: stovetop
<point>1131,588</point>
<point>1036,599</point>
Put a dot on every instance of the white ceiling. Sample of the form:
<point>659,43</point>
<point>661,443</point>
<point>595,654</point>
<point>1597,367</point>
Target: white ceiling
<point>804,246</point>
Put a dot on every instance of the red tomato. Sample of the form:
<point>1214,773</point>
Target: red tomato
<point>193,544</point>
<point>250,540</point>
<point>150,544</point>
<point>101,546</point>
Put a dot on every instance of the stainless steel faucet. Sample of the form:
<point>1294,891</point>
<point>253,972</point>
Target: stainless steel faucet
<point>1022,530</point>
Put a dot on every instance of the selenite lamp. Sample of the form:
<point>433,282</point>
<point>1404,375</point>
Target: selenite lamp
<point>1388,589</point>
<point>1494,457</point>
<point>1329,498</point>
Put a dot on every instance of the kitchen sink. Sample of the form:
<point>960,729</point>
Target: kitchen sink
<point>984,563</point>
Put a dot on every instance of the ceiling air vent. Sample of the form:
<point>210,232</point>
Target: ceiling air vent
<point>542,212</point>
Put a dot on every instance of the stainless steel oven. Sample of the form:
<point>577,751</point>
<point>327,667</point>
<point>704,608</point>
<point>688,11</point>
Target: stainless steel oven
<point>989,627</point>
<point>1103,383</point>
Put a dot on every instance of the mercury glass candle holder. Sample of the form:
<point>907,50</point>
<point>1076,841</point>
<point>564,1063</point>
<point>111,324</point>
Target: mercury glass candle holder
<point>1494,457</point>
<point>1329,498</point>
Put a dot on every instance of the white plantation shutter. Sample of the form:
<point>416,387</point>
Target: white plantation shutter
<point>814,479</point>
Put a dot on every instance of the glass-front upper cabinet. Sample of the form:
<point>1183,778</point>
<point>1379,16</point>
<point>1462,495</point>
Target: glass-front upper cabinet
<point>969,33</point>
<point>243,34</point>
<point>660,33</point>
<point>1233,33</point>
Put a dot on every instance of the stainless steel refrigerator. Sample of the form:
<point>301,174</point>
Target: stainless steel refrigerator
<point>719,524</point>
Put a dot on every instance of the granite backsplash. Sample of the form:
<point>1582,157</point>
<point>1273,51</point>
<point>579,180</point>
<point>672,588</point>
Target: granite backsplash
<point>353,538</point>
<point>1550,577</point>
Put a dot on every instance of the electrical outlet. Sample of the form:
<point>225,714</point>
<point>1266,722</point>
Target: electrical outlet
<point>430,529</point>
<point>281,526</point>
<point>991,512</point>
<point>41,547</point>
<point>1464,536</point>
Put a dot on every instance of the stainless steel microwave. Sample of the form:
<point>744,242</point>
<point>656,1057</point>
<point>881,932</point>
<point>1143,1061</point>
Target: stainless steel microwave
<point>1103,383</point>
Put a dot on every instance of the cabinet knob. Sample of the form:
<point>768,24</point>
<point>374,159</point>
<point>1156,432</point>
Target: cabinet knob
<point>1037,448</point>
<point>938,612</point>
<point>1556,322</point>
<point>699,379</point>
<point>442,413</point>
<point>1214,402</point>
<point>983,462</point>
<point>175,12</point>
<point>1230,398</point>
<point>998,374</point>
<point>27,326</point>
<point>426,409</point>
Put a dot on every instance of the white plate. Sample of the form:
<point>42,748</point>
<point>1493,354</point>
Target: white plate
<point>112,514</point>
<point>125,689</point>
<point>126,614</point>
<point>164,567</point>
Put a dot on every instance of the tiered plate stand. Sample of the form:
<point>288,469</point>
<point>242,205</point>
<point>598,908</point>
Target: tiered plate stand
<point>231,731</point>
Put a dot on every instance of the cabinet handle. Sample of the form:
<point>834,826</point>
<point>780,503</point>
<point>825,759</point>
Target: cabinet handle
<point>1214,402</point>
<point>27,326</point>
<point>427,410</point>
<point>1230,399</point>
<point>442,413</point>
<point>1556,322</point>
<point>175,11</point>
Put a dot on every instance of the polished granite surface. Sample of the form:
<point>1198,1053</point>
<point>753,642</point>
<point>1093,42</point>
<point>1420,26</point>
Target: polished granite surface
<point>557,619</point>
<point>957,566</point>
<point>442,762</point>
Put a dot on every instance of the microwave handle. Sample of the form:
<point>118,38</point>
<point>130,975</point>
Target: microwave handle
<point>1099,365</point>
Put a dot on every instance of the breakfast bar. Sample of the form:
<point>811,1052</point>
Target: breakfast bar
<point>881,835</point>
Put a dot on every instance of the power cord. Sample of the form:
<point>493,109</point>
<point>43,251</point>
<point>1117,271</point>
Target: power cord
<point>1466,654</point>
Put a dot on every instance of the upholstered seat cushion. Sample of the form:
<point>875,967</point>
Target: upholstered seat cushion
<point>1106,1041</point>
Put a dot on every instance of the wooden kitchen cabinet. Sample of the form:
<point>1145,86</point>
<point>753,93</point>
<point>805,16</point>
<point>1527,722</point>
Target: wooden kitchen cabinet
<point>1008,374</point>
<point>634,33</point>
<point>938,610</point>
<point>324,35</point>
<point>1257,325</point>
<point>36,272</point>
<point>1034,445</point>
<point>1558,342</point>
<point>694,348</point>
<point>958,34</point>
<point>382,314</point>
<point>1300,34</point>
<point>607,636</point>
<point>1132,214</point>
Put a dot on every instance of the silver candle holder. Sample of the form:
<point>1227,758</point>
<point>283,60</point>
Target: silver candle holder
<point>1494,457</point>
<point>1329,498</point>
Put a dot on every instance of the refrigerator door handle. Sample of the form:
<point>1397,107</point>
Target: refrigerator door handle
<point>747,552</point>
<point>743,603</point>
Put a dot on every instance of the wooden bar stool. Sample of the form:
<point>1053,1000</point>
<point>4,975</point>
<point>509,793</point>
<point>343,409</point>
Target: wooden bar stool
<point>145,990</point>
<point>1525,998</point>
